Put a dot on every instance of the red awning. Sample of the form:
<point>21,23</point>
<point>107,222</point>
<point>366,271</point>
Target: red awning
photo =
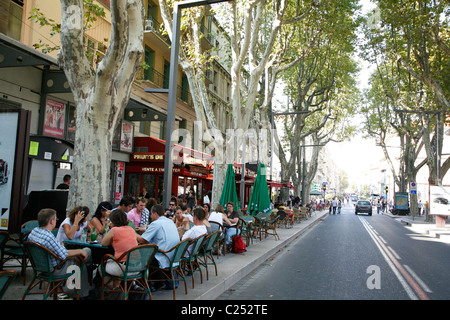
<point>275,184</point>
<point>156,151</point>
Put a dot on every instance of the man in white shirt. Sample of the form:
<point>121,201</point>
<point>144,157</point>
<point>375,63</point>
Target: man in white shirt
<point>197,230</point>
<point>334,204</point>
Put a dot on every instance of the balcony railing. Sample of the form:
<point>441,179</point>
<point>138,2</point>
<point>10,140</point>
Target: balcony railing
<point>151,24</point>
<point>162,81</point>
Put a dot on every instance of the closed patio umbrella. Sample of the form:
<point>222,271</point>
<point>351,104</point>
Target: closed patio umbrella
<point>259,198</point>
<point>229,189</point>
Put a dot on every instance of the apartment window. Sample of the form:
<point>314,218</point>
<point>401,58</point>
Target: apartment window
<point>95,51</point>
<point>166,76</point>
<point>149,58</point>
<point>15,19</point>
<point>216,79</point>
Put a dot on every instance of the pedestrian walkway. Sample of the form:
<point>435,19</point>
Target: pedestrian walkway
<point>419,225</point>
<point>231,267</point>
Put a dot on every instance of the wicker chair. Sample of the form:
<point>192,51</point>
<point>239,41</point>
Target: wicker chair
<point>135,268</point>
<point>43,271</point>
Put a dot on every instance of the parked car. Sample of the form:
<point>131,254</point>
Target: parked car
<point>363,206</point>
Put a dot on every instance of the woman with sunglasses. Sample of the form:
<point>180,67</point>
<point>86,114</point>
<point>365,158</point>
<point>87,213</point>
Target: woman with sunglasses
<point>100,220</point>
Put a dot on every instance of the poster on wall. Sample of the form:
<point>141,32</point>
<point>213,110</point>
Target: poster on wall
<point>120,173</point>
<point>440,200</point>
<point>8,136</point>
<point>126,137</point>
<point>54,118</point>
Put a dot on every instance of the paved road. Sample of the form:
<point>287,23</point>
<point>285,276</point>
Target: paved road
<point>356,257</point>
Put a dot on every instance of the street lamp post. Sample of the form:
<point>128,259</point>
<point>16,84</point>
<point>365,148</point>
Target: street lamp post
<point>172,90</point>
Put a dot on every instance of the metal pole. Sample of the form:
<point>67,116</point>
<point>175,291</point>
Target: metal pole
<point>244,146</point>
<point>271,147</point>
<point>171,108</point>
<point>438,150</point>
<point>303,174</point>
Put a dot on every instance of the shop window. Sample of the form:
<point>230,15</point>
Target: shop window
<point>160,188</point>
<point>149,182</point>
<point>134,184</point>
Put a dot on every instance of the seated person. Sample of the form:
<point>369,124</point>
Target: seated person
<point>122,238</point>
<point>162,232</point>
<point>125,204</point>
<point>72,227</point>
<point>197,230</point>
<point>181,222</point>
<point>230,220</point>
<point>139,215</point>
<point>43,235</point>
<point>217,214</point>
<point>99,221</point>
<point>186,212</point>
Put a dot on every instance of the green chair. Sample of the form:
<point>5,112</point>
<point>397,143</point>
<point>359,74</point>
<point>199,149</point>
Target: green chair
<point>206,251</point>
<point>174,267</point>
<point>220,243</point>
<point>14,248</point>
<point>268,225</point>
<point>6,278</point>
<point>43,272</point>
<point>246,228</point>
<point>190,259</point>
<point>4,237</point>
<point>134,269</point>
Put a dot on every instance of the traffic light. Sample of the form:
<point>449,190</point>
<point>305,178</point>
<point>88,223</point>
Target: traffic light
<point>324,188</point>
<point>387,189</point>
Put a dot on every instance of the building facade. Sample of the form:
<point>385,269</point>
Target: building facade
<point>32,81</point>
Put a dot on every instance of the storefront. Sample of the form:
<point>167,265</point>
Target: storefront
<point>191,170</point>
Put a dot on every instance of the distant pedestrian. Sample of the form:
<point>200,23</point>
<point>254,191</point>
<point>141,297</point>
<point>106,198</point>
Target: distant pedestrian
<point>339,205</point>
<point>65,184</point>
<point>419,205</point>
<point>191,199</point>
<point>334,204</point>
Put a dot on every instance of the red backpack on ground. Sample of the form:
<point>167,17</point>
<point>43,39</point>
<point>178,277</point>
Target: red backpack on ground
<point>238,244</point>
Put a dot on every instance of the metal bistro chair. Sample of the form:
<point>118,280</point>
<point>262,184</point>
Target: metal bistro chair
<point>190,258</point>
<point>44,272</point>
<point>6,278</point>
<point>281,218</point>
<point>14,248</point>
<point>4,237</point>
<point>258,225</point>
<point>246,228</point>
<point>174,267</point>
<point>206,252</point>
<point>135,268</point>
<point>269,225</point>
<point>297,215</point>
<point>220,243</point>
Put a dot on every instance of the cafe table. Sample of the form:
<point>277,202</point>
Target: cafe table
<point>290,214</point>
<point>98,251</point>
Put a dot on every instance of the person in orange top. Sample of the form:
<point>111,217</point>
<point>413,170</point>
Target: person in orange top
<point>122,238</point>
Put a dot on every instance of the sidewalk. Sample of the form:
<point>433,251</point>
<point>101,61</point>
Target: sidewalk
<point>419,225</point>
<point>231,268</point>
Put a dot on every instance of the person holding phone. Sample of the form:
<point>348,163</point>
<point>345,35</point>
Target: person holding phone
<point>72,227</point>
